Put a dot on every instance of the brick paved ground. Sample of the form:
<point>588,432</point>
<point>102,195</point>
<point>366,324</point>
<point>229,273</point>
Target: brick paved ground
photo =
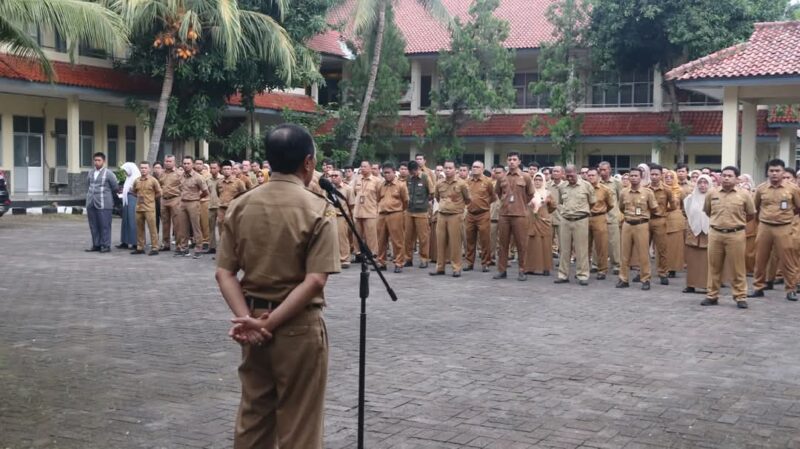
<point>117,351</point>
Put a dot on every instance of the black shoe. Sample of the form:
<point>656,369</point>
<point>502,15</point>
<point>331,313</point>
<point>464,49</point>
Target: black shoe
<point>164,248</point>
<point>621,284</point>
<point>561,281</point>
<point>409,264</point>
<point>545,273</point>
<point>345,265</point>
<point>709,302</point>
<point>791,296</point>
<point>468,268</point>
<point>212,251</point>
<point>601,276</point>
<point>456,274</point>
<point>436,273</point>
<point>671,275</point>
<point>756,294</point>
<point>205,247</point>
<point>137,251</point>
<point>689,290</point>
<point>398,269</point>
<point>664,280</point>
<point>423,265</point>
<point>616,271</point>
<point>485,269</point>
<point>741,304</point>
<point>637,278</point>
<point>502,275</point>
<point>152,253</point>
<point>93,249</point>
<point>383,267</point>
<point>646,285</point>
<point>778,281</point>
<point>770,285</point>
<point>583,283</point>
<point>593,270</point>
<point>181,253</point>
<point>522,277</point>
<point>105,249</point>
<point>122,246</point>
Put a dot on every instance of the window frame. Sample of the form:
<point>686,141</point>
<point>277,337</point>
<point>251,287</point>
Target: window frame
<point>616,84</point>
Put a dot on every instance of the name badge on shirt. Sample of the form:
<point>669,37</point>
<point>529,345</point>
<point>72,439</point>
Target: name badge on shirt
<point>361,200</point>
<point>511,199</point>
<point>419,185</point>
<point>784,205</point>
<point>638,211</point>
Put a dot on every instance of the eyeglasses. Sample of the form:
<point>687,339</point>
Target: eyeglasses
<point>335,176</point>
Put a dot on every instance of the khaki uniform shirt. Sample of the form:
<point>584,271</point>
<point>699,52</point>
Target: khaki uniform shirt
<point>728,210</point>
<point>552,188</point>
<point>146,190</point>
<point>637,204</point>
<point>452,195</point>
<point>213,196</point>
<point>605,200</point>
<point>576,199</point>
<point>228,189</point>
<point>687,188</point>
<point>516,191</point>
<point>776,205</point>
<point>481,193</point>
<point>615,185</point>
<point>348,197</point>
<point>170,184</point>
<point>392,196</point>
<point>366,191</point>
<point>192,186</point>
<point>665,199</point>
<point>248,184</point>
<point>302,238</point>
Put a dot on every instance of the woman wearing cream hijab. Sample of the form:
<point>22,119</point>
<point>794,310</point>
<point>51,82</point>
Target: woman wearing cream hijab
<point>696,250</point>
<point>539,258</point>
<point>676,224</point>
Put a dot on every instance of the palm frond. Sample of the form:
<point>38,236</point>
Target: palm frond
<point>226,31</point>
<point>19,43</point>
<point>190,19</point>
<point>365,14</point>
<point>263,37</point>
<point>143,16</point>
<point>437,10</point>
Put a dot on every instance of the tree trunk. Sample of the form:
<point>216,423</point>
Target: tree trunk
<point>161,114</point>
<point>251,117</point>
<point>675,110</point>
<point>373,75</point>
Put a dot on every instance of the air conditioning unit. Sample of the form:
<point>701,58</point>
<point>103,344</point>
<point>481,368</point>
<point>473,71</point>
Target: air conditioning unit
<point>61,176</point>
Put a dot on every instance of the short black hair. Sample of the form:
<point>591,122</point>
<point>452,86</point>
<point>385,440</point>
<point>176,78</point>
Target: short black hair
<point>534,164</point>
<point>776,163</point>
<point>419,155</point>
<point>681,165</point>
<point>487,173</point>
<point>656,167</point>
<point>349,167</point>
<point>388,165</point>
<point>513,153</point>
<point>147,163</point>
<point>449,161</point>
<point>210,163</point>
<point>413,165</point>
<point>327,161</point>
<point>635,169</point>
<point>790,170</point>
<point>158,163</point>
<point>733,169</point>
<point>496,166</point>
<point>188,157</point>
<point>462,165</point>
<point>287,146</point>
<point>226,163</point>
<point>100,155</point>
<point>403,164</point>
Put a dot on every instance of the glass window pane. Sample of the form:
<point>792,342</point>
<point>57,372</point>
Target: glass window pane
<point>641,94</point>
<point>627,77</point>
<point>34,151</point>
<point>626,95</point>
<point>520,102</point>
<point>61,151</point>
<point>20,124</point>
<point>112,131</point>
<point>20,151</point>
<point>61,126</point>
<point>597,94</point>
<point>519,79</point>
<point>87,148</point>
<point>130,151</point>
<point>87,128</point>
<point>112,153</point>
<point>36,125</point>
<point>624,161</point>
<point>130,132</point>
<point>612,95</point>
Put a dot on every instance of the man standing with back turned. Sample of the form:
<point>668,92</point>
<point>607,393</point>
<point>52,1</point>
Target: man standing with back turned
<point>285,350</point>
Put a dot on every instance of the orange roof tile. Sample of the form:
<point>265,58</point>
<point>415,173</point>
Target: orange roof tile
<point>278,101</point>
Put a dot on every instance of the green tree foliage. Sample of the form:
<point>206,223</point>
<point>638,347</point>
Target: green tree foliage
<point>476,77</point>
<point>560,66</point>
<point>390,86</point>
<point>640,34</point>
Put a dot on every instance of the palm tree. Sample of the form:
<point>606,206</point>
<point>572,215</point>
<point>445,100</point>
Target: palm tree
<point>91,24</point>
<point>183,27</point>
<point>370,15</point>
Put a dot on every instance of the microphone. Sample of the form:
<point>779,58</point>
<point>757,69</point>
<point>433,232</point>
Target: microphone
<point>327,186</point>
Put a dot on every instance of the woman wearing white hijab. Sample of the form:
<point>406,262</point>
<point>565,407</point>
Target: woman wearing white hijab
<point>539,257</point>
<point>696,248</point>
<point>645,174</point>
<point>128,212</point>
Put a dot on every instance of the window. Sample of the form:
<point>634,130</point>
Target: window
<point>426,83</point>
<point>130,144</point>
<point>87,142</point>
<point>33,32</point>
<point>689,98</point>
<point>86,50</point>
<point>60,43</point>
<point>329,93</point>
<point>611,89</point>
<point>619,163</point>
<point>61,142</point>
<point>526,99</point>
<point>112,136</point>
<point>708,159</point>
<point>544,160</point>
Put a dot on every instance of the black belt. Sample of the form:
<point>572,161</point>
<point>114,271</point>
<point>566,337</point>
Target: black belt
<point>729,230</point>
<point>170,197</point>
<point>775,224</point>
<point>258,303</point>
<point>576,218</point>
<point>597,214</point>
<point>637,222</point>
<point>392,212</point>
<point>480,212</point>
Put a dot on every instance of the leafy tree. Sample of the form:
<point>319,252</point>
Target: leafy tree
<point>185,30</point>
<point>559,76</point>
<point>369,19</point>
<point>476,76</point>
<point>641,34</point>
<point>91,24</point>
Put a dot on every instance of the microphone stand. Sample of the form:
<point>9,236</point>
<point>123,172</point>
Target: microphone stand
<point>366,256</point>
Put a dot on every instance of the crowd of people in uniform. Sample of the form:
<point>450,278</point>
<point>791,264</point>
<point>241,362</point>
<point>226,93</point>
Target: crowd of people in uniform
<point>717,227</point>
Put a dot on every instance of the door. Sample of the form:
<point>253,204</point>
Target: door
<point>28,170</point>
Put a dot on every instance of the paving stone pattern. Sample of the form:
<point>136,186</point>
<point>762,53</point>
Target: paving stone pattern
<point>121,351</point>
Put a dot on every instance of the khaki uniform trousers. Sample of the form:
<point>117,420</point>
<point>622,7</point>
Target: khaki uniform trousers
<point>212,227</point>
<point>658,232</point>
<point>169,216</point>
<point>417,229</point>
<point>204,228</point>
<point>448,241</point>
<point>478,229</point>
<point>778,239</point>
<point>188,218</point>
<point>613,242</point>
<point>283,386</point>
<point>493,240</point>
<point>508,227</point>
<point>221,218</point>
<point>598,238</point>
<point>148,217</point>
<point>344,239</point>
<point>432,244</point>
<point>368,228</point>
<point>727,248</point>
<point>635,238</point>
<point>390,228</point>
<point>574,235</point>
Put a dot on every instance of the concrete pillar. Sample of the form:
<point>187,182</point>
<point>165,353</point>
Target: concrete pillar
<point>7,142</point>
<point>416,85</point>
<point>787,145</point>
<point>204,149</point>
<point>747,156</point>
<point>315,92</point>
<point>730,125</point>
<point>412,151</point>
<point>142,141</point>
<point>658,92</point>
<point>655,153</point>
<point>73,135</point>
<point>488,155</point>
